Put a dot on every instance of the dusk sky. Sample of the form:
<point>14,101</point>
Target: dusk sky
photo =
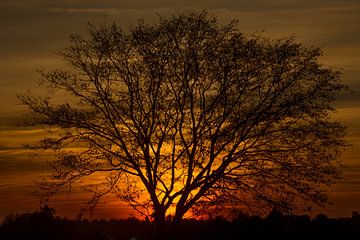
<point>32,31</point>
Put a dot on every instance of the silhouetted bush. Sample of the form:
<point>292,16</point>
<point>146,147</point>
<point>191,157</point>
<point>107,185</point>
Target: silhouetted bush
<point>44,224</point>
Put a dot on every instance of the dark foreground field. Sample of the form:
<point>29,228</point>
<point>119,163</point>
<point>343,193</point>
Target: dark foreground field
<point>44,225</point>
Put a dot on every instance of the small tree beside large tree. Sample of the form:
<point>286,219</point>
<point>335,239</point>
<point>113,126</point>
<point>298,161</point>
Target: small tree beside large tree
<point>188,114</point>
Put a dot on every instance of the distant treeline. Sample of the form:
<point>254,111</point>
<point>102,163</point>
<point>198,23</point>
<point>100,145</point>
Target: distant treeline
<point>43,224</point>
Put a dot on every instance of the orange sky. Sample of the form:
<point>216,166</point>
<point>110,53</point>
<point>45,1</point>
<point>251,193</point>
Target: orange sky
<point>32,31</point>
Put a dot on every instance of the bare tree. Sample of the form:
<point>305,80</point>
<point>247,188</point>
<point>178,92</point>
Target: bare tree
<point>188,113</point>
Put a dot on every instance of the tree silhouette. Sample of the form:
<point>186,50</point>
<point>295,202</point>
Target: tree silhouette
<point>187,114</point>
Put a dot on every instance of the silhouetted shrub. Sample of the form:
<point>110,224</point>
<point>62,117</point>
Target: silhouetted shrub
<point>44,224</point>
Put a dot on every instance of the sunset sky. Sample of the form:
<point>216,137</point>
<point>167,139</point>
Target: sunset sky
<point>32,31</point>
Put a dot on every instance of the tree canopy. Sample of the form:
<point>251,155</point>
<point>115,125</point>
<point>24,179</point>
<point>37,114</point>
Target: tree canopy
<point>188,114</point>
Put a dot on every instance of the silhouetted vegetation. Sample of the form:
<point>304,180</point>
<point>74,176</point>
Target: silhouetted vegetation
<point>44,224</point>
<point>191,114</point>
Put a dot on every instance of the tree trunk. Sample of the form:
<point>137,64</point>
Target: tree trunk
<point>159,228</point>
<point>163,230</point>
<point>179,214</point>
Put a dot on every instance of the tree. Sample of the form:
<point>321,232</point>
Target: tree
<point>187,114</point>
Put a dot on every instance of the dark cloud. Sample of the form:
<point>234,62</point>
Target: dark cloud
<point>15,161</point>
<point>349,99</point>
